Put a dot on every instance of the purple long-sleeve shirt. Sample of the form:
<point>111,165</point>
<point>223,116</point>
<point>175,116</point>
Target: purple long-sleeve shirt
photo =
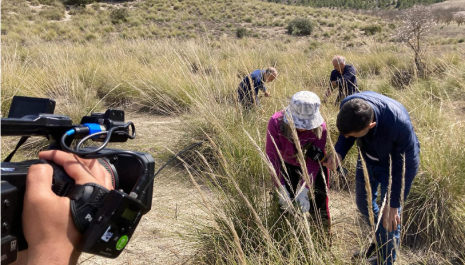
<point>287,149</point>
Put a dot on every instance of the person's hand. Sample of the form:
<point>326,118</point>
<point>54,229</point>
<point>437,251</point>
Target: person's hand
<point>302,199</point>
<point>47,223</point>
<point>333,161</point>
<point>267,94</point>
<point>390,222</point>
<point>284,198</point>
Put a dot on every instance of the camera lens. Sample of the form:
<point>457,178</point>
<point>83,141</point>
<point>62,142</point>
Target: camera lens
<point>111,169</point>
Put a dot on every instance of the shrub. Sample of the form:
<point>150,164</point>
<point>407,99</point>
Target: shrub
<point>52,14</point>
<point>78,2</point>
<point>248,20</point>
<point>96,6</point>
<point>300,27</point>
<point>314,44</point>
<point>372,29</point>
<point>46,2</point>
<point>241,32</point>
<point>401,79</point>
<point>119,15</point>
<point>347,37</point>
<point>90,37</point>
<point>4,29</point>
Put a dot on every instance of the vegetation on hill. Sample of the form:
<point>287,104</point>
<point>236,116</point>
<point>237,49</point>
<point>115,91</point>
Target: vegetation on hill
<point>50,20</point>
<point>358,4</point>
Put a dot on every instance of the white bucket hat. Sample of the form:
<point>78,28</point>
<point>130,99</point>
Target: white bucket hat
<point>304,110</point>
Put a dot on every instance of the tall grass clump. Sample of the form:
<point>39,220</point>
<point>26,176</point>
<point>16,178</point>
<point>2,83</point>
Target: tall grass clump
<point>49,73</point>
<point>371,29</point>
<point>435,210</point>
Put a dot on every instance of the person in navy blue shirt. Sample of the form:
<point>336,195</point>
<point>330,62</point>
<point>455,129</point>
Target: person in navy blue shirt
<point>343,77</point>
<point>384,133</point>
<point>251,84</point>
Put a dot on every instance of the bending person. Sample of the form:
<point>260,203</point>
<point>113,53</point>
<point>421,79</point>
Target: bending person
<point>251,84</point>
<point>384,133</point>
<point>280,143</point>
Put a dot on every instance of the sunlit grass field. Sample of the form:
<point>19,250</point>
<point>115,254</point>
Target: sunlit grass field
<point>195,79</point>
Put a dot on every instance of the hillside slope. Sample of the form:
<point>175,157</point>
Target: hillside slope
<point>359,4</point>
<point>50,20</point>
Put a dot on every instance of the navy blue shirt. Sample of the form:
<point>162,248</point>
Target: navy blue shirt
<point>393,136</point>
<point>347,82</point>
<point>244,89</point>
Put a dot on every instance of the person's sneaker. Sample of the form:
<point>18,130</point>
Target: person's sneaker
<point>370,254</point>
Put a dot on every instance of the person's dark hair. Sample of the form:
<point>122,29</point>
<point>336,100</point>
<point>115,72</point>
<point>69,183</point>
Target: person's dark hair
<point>354,116</point>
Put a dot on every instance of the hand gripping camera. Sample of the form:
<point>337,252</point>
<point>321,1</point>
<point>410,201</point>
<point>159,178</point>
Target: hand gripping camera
<point>107,219</point>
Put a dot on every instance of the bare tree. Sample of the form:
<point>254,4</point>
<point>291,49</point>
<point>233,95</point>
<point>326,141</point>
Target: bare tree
<point>417,21</point>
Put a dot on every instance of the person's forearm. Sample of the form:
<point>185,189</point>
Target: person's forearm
<point>278,179</point>
<point>312,170</point>
<point>327,94</point>
<point>333,85</point>
<point>271,151</point>
<point>396,196</point>
<point>343,145</point>
<point>398,175</point>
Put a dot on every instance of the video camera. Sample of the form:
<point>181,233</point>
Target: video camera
<point>314,152</point>
<point>107,219</point>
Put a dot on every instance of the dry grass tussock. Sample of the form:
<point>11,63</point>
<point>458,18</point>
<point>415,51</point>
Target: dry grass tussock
<point>196,80</point>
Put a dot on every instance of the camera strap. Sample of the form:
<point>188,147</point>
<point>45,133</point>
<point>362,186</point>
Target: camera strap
<point>18,145</point>
<point>85,201</point>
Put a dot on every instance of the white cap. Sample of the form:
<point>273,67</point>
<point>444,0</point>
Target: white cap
<point>304,110</point>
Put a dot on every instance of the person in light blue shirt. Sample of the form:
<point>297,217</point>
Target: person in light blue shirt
<point>251,84</point>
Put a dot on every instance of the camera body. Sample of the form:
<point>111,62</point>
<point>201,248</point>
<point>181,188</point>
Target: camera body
<point>107,227</point>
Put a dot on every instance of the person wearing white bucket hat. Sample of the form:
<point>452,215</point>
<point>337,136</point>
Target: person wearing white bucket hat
<point>310,129</point>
